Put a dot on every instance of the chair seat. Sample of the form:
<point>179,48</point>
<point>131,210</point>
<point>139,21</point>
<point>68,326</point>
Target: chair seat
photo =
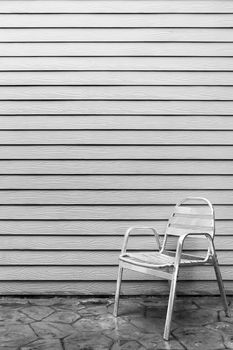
<point>156,259</point>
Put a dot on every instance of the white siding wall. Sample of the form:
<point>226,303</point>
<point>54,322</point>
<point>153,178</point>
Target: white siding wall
<point>110,112</point>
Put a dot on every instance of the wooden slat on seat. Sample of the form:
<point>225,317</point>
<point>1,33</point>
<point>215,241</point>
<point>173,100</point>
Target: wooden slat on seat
<point>156,259</point>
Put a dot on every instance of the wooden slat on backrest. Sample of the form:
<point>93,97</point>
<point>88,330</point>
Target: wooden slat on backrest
<point>188,217</point>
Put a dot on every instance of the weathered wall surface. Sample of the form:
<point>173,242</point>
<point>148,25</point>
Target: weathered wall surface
<point>110,112</point>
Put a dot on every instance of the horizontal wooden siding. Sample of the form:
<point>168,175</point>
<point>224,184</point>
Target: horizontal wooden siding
<point>110,112</point>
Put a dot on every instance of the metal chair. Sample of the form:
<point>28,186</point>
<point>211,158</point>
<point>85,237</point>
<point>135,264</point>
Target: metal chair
<point>192,217</point>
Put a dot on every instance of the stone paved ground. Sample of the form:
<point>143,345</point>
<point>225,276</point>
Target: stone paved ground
<point>88,324</point>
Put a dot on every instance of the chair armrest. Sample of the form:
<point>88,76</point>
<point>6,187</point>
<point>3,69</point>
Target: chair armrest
<point>182,238</point>
<point>126,237</point>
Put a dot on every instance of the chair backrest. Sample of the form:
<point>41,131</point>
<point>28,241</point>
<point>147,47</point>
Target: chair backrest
<point>191,215</point>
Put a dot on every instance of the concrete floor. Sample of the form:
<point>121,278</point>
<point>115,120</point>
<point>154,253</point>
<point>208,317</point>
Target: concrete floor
<point>88,324</point>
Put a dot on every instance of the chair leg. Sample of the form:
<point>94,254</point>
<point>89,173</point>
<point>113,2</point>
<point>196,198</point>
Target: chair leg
<point>221,285</point>
<point>170,307</point>
<point>118,288</point>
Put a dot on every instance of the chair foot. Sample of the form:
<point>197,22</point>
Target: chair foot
<point>166,336</point>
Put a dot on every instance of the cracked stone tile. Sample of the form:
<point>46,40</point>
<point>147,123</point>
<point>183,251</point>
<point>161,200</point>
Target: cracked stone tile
<point>43,344</point>
<point>89,341</point>
<point>159,312</point>
<point>224,318</point>
<point>107,321</point>
<point>151,325</point>
<point>161,303</point>
<point>199,338</point>
<point>44,301</point>
<point>69,305</point>
<point>171,345</point>
<point>68,302</point>
<point>184,304</point>
<point>93,310</point>
<point>195,317</point>
<point>62,317</point>
<point>213,303</point>
<point>75,309</point>
<point>124,331</point>
<point>53,330</point>
<point>149,300</point>
<point>156,342</point>
<point>37,312</point>
<point>13,315</point>
<point>127,307</point>
<point>13,302</point>
<point>155,312</point>
<point>154,315</point>
<point>96,324</point>
<point>94,301</point>
<point>141,327</point>
<point>228,341</point>
<point>14,335</point>
<point>128,345</point>
<point>152,333</point>
<point>226,329</point>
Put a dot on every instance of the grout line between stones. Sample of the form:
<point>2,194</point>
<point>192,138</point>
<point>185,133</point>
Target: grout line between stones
<point>177,339</point>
